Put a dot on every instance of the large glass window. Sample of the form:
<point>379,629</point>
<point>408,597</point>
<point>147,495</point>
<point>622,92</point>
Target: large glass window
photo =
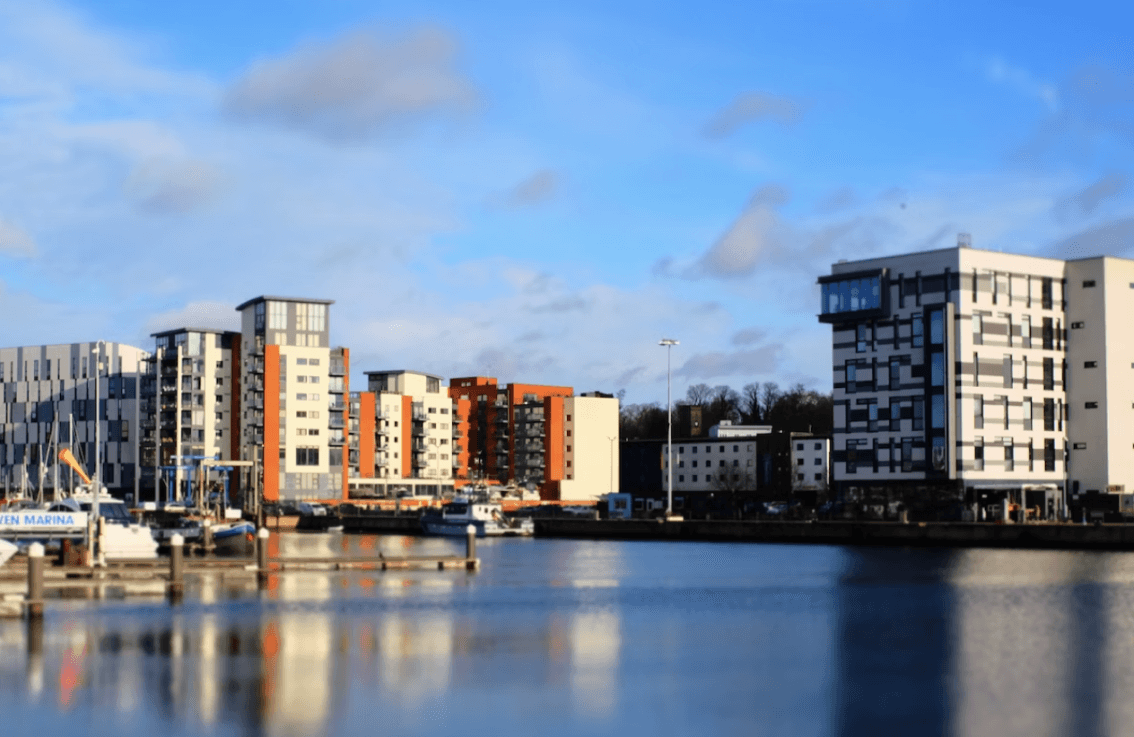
<point>862,338</point>
<point>937,411</point>
<point>851,295</point>
<point>277,315</point>
<point>1026,330</point>
<point>1049,374</point>
<point>852,377</point>
<point>917,330</point>
<point>919,414</point>
<point>895,415</point>
<point>1046,293</point>
<point>937,369</point>
<point>895,374</point>
<point>936,327</point>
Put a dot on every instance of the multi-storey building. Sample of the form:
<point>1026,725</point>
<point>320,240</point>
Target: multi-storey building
<point>727,460</point>
<point>49,404</point>
<point>190,405</point>
<point>976,375</point>
<point>538,436</point>
<point>408,435</point>
<point>810,459</point>
<point>293,387</point>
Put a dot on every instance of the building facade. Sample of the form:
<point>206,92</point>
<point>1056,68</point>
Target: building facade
<point>543,437</point>
<point>49,403</point>
<point>294,413</point>
<point>726,461</point>
<point>810,462</point>
<point>970,375</point>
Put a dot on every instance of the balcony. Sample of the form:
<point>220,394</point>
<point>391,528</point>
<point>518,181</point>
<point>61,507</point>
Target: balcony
<point>336,405</point>
<point>336,438</point>
<point>258,365</point>
<point>457,430</point>
<point>381,459</point>
<point>337,368</point>
<point>335,420</point>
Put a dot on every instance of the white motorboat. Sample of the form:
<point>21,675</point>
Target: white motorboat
<point>122,535</point>
<point>487,517</point>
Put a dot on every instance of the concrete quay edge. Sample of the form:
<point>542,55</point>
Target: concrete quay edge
<point>924,534</point>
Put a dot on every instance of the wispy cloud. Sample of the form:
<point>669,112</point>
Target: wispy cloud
<point>15,242</point>
<point>355,86</point>
<point>172,187</point>
<point>1085,201</point>
<point>751,107</point>
<point>534,190</point>
<point>1114,238</point>
<point>1001,72</point>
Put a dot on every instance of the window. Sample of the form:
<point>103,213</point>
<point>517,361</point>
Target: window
<point>818,462</point>
<point>895,373</point>
<point>895,416</point>
<point>1090,364</point>
<point>1026,330</point>
<point>799,461</point>
<point>919,414</point>
<point>1007,371</point>
<point>978,329</point>
<point>301,362</point>
<point>301,379</point>
<point>1045,293</point>
<point>1077,325</point>
<point>917,331</point>
<point>862,338</point>
<point>1004,402</point>
<point>681,478</point>
<point>852,376</point>
<point>937,369</point>
<point>978,454</point>
<point>1080,446</point>
<point>936,327</point>
<point>1049,374</point>
<point>301,397</point>
<point>907,455</point>
<point>872,414</point>
<point>978,412</point>
<point>1048,333</point>
<point>1049,414</point>
<point>937,411</point>
<point>818,446</point>
<point>1009,455</point>
<point>277,315</point>
<point>852,456</point>
<point>1049,454</point>
<point>1027,413</point>
<point>1088,283</point>
<point>1091,405</point>
<point>694,478</point>
<point>799,446</point>
<point>307,456</point>
<point>818,477</point>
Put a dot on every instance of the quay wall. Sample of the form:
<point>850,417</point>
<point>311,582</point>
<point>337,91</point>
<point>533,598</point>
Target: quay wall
<point>925,534</point>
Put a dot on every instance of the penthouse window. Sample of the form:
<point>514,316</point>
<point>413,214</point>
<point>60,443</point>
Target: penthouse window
<point>852,295</point>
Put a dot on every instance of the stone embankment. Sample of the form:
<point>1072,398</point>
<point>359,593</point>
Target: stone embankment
<point>925,534</point>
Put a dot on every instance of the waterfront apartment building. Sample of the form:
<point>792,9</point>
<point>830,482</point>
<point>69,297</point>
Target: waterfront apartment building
<point>190,406</point>
<point>543,437</point>
<point>405,435</point>
<point>293,387</point>
<point>963,374</point>
<point>49,403</point>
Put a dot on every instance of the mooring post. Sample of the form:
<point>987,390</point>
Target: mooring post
<point>470,547</point>
<point>262,556</point>
<point>35,581</point>
<point>207,533</point>
<point>176,567</point>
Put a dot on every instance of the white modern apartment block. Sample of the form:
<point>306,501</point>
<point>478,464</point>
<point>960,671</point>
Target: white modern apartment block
<point>810,461</point>
<point>590,447</point>
<point>49,403</point>
<point>292,402</point>
<point>414,430</point>
<point>975,375</point>
<point>726,461</point>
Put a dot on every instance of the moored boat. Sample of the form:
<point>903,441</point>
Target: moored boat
<point>454,518</point>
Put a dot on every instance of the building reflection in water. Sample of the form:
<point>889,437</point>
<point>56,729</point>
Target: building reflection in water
<point>973,642</point>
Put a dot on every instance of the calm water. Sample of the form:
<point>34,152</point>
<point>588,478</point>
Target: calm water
<point>578,637</point>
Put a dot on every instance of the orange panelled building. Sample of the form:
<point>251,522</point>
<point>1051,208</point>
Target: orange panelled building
<point>513,433</point>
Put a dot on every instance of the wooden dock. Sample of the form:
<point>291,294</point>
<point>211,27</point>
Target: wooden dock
<point>166,577</point>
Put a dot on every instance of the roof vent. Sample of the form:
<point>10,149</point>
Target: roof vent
<point>964,240</point>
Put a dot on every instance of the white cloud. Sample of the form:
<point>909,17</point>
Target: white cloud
<point>751,107</point>
<point>213,315</point>
<point>355,86</point>
<point>15,242</point>
<point>1001,72</point>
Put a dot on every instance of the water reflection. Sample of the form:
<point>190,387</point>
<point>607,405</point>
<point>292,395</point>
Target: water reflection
<point>566,637</point>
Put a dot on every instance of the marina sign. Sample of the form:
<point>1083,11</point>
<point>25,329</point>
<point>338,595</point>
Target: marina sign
<point>40,521</point>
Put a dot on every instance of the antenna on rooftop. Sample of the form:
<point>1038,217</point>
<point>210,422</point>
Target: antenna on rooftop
<point>964,240</point>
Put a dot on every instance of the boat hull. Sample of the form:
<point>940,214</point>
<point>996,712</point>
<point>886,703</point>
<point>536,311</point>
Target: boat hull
<point>459,528</point>
<point>236,539</point>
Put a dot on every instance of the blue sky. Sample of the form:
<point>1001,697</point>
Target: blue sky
<point>541,191</point>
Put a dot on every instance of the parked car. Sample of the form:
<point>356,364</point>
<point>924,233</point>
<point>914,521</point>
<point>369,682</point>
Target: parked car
<point>831,510</point>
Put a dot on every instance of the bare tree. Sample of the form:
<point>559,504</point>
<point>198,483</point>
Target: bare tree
<point>769,397</point>
<point>698,394</point>
<point>733,484</point>
<point>750,402</point>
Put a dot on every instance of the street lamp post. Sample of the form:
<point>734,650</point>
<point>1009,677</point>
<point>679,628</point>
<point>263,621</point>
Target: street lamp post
<point>97,475</point>
<point>669,343</point>
<point>612,439</point>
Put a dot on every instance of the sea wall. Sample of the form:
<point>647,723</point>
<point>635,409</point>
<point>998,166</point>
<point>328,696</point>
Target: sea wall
<point>943,534</point>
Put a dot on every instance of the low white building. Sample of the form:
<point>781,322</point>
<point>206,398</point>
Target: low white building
<point>810,460</point>
<point>726,461</point>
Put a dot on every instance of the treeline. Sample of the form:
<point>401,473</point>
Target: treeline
<point>797,410</point>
